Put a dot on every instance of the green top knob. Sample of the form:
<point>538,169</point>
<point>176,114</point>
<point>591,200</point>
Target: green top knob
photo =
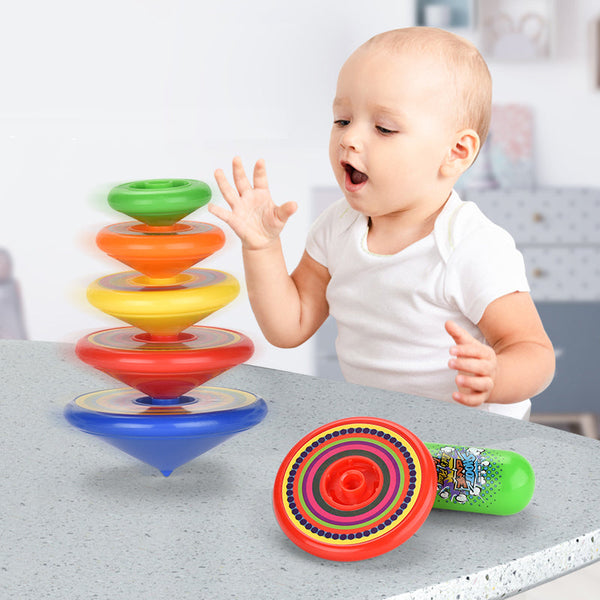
<point>159,202</point>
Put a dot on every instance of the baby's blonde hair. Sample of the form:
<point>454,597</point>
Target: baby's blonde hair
<point>466,67</point>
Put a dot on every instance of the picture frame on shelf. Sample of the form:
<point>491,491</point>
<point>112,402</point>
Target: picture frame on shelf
<point>446,14</point>
<point>517,30</point>
<point>507,158</point>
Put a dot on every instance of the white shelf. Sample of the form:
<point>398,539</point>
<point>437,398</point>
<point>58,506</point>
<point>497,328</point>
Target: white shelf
<point>517,30</point>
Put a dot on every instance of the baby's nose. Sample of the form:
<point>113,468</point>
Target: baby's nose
<point>351,139</point>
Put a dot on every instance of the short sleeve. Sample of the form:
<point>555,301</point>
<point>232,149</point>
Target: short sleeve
<point>329,224</point>
<point>316,241</point>
<point>485,266</point>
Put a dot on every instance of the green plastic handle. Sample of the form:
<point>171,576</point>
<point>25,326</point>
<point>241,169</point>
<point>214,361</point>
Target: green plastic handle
<point>481,480</point>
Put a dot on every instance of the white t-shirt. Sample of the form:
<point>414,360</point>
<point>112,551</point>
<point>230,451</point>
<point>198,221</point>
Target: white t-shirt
<point>391,309</point>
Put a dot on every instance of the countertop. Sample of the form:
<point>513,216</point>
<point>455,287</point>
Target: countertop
<point>82,520</point>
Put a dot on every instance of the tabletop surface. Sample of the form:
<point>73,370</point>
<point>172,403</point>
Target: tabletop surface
<point>80,519</point>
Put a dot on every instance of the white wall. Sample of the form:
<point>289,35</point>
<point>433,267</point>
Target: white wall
<point>97,93</point>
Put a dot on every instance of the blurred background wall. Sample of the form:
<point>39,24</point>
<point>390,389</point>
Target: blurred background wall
<point>98,93</point>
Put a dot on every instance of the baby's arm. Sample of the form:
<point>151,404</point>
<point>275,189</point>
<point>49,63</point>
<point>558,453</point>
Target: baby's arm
<point>288,309</point>
<point>518,363</point>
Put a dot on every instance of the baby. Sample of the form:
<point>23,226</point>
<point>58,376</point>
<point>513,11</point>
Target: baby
<point>408,270</point>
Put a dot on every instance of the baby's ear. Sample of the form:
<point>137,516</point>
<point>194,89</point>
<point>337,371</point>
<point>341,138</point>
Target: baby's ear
<point>461,154</point>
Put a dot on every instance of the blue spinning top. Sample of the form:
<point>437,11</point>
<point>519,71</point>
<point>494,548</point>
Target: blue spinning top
<point>166,434</point>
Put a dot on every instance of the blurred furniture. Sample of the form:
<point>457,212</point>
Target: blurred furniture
<point>11,314</point>
<point>507,29</point>
<point>517,31</point>
<point>558,232</point>
<point>446,13</point>
<point>326,362</point>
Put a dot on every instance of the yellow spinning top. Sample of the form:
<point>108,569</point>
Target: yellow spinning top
<point>163,307</point>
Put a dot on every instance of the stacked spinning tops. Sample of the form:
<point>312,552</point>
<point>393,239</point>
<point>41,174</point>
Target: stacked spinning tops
<point>164,418</point>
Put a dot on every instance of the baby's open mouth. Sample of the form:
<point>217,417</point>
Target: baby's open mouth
<point>356,176</point>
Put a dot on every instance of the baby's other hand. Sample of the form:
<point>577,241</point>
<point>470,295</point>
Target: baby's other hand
<point>254,217</point>
<point>477,367</point>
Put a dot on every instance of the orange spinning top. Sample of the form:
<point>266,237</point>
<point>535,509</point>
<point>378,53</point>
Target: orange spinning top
<point>160,252</point>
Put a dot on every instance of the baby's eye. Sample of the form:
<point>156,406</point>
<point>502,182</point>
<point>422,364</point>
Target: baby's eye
<point>341,122</point>
<point>384,130</point>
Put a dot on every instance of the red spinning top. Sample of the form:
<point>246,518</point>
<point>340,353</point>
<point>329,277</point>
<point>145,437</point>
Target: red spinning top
<point>167,369</point>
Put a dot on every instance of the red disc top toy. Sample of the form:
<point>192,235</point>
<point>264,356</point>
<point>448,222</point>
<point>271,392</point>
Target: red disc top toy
<point>354,489</point>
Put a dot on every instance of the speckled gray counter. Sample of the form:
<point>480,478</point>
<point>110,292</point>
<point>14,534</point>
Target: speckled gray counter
<point>81,520</point>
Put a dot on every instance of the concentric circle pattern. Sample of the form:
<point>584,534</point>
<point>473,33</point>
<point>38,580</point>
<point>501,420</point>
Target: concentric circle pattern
<point>168,436</point>
<point>354,489</point>
<point>131,282</point>
<point>158,308</point>
<point>160,252</point>
<point>199,338</point>
<point>174,233</point>
<point>125,401</point>
<point>164,369</point>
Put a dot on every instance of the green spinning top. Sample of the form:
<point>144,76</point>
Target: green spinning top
<point>159,202</point>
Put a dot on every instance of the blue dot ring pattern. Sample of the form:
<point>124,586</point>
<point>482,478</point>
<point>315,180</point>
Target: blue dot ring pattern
<point>166,436</point>
<point>354,489</point>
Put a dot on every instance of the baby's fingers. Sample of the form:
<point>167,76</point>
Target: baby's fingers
<point>285,211</point>
<point>475,350</point>
<point>260,175</point>
<point>242,183</point>
<point>220,212</point>
<point>226,188</point>
<point>474,383</point>
<point>472,390</point>
<point>459,334</point>
<point>469,399</point>
<point>471,365</point>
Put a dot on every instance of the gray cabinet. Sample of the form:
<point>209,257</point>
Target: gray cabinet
<point>558,232</point>
<point>574,328</point>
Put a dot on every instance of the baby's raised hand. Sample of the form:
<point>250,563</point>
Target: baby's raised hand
<point>476,364</point>
<point>254,217</point>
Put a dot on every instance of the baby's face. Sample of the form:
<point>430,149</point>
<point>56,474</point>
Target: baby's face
<point>393,127</point>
